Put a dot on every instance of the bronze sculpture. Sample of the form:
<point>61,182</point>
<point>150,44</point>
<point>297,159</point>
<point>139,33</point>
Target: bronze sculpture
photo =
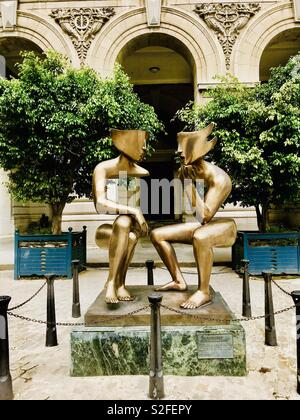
<point>205,233</point>
<point>123,235</point>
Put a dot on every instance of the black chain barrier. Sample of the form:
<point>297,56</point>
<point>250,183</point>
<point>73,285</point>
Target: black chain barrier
<point>77,324</point>
<point>200,317</point>
<point>181,312</point>
<point>208,318</point>
<point>282,289</point>
<point>28,300</point>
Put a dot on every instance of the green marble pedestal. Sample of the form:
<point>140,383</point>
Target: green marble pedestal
<point>214,345</point>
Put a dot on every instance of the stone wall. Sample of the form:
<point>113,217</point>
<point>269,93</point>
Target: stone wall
<point>212,36</point>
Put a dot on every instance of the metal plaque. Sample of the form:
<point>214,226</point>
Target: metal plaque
<point>215,346</point>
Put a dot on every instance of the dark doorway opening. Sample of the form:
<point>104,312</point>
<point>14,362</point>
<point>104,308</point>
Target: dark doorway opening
<point>11,49</point>
<point>162,70</point>
<point>166,99</point>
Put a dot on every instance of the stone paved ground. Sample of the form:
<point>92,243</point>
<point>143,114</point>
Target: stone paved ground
<point>43,373</point>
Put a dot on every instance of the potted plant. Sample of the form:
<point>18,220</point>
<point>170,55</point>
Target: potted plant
<point>55,123</point>
<point>258,133</point>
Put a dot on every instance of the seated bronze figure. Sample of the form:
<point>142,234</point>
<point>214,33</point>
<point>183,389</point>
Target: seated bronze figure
<point>206,232</point>
<point>123,235</point>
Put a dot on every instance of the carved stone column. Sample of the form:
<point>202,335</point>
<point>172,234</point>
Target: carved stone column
<point>82,25</point>
<point>227,20</point>
<point>2,66</point>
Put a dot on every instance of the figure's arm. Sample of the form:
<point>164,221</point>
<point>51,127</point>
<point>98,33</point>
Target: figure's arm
<point>203,212</point>
<point>101,201</point>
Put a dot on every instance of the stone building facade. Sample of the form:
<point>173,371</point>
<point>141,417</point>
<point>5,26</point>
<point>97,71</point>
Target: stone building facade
<point>172,49</point>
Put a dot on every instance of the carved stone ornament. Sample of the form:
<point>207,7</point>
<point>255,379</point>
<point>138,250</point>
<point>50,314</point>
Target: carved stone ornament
<point>227,20</point>
<point>82,25</point>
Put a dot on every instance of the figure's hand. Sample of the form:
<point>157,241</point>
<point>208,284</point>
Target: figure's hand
<point>187,172</point>
<point>142,224</point>
<point>190,172</point>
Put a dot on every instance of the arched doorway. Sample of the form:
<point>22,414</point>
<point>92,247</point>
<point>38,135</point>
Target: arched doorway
<point>11,48</point>
<point>162,71</point>
<point>278,51</point>
<point>10,212</point>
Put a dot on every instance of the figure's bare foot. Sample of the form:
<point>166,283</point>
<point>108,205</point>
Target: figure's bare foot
<point>124,295</point>
<point>196,300</point>
<point>172,286</point>
<point>111,296</point>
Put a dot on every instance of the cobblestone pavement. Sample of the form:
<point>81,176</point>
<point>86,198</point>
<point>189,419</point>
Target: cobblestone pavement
<point>43,373</point>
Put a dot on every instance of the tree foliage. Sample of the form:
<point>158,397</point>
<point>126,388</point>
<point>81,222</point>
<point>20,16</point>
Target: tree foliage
<point>258,133</point>
<point>54,127</point>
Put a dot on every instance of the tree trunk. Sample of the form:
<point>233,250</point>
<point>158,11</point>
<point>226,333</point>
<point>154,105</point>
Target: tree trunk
<point>262,217</point>
<point>57,211</point>
<point>258,216</point>
<point>265,223</point>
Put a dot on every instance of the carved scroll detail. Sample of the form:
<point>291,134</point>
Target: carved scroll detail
<point>227,20</point>
<point>82,25</point>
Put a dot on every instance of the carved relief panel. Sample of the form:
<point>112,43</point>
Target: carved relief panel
<point>82,25</point>
<point>227,20</point>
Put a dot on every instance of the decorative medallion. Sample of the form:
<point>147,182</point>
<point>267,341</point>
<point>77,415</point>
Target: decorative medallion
<point>227,20</point>
<point>82,25</point>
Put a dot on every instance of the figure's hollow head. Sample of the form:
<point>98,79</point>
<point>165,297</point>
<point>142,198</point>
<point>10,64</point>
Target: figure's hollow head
<point>131,143</point>
<point>195,144</point>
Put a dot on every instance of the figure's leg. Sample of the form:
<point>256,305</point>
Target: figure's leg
<point>102,238</point>
<point>216,233</point>
<point>118,248</point>
<point>122,293</point>
<point>162,239</point>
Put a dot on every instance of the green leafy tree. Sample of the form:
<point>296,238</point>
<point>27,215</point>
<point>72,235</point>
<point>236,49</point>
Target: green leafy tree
<point>258,133</point>
<point>54,128</point>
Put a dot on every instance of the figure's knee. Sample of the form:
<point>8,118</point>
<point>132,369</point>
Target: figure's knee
<point>155,236</point>
<point>133,238</point>
<point>123,223</point>
<point>201,238</point>
<point>103,235</point>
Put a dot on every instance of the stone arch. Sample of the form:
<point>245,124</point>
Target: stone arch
<point>42,33</point>
<point>188,29</point>
<point>264,27</point>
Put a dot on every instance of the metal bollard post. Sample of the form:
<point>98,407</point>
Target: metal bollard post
<point>270,329</point>
<point>156,381</point>
<point>76,312</point>
<point>296,299</point>
<point>150,266</point>
<point>51,334</point>
<point>246,290</point>
<point>6,391</point>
